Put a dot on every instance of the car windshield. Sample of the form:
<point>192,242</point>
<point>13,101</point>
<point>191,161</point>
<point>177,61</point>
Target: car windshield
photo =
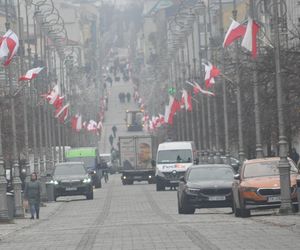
<point>210,174</point>
<point>69,169</point>
<point>174,156</point>
<point>261,169</point>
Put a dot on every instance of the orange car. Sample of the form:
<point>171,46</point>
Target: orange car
<point>257,186</point>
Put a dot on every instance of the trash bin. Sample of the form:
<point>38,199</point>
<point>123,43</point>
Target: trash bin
<point>298,192</point>
<point>10,205</point>
<point>50,191</point>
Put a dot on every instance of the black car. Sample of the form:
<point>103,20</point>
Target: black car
<point>205,186</point>
<point>71,178</point>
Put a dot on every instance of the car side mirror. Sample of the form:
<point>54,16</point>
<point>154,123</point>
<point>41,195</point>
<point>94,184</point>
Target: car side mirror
<point>182,178</point>
<point>237,177</point>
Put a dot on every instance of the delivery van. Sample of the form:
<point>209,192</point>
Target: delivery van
<point>172,161</point>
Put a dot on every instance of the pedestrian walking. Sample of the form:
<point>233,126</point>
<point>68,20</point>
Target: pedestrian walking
<point>120,97</point>
<point>111,140</point>
<point>294,155</point>
<point>114,130</point>
<point>128,96</point>
<point>32,194</point>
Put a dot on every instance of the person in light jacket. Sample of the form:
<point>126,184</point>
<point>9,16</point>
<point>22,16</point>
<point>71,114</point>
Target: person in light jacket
<point>32,194</point>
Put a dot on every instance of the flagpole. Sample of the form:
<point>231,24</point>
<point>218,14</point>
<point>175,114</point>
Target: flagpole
<point>238,92</point>
<point>17,184</point>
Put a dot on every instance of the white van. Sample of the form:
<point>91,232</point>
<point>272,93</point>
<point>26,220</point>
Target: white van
<point>172,161</point>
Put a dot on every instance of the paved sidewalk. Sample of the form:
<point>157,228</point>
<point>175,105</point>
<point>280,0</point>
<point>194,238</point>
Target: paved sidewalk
<point>16,225</point>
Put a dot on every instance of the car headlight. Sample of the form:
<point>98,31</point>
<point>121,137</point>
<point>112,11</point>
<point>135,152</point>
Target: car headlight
<point>87,180</point>
<point>193,190</point>
<point>249,189</point>
<point>54,182</point>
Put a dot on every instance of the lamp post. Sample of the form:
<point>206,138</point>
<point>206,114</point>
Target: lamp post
<point>284,166</point>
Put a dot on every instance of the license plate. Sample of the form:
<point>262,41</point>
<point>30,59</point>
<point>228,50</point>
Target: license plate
<point>217,198</point>
<point>274,198</point>
<point>71,188</point>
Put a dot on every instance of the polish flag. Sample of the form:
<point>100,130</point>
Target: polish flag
<point>168,109</point>
<point>54,94</point>
<point>76,123</point>
<point>198,89</point>
<point>9,45</point>
<point>62,113</point>
<point>92,126</point>
<point>31,74</point>
<point>58,102</point>
<point>249,41</point>
<point>186,100</point>
<point>235,31</point>
<point>211,72</point>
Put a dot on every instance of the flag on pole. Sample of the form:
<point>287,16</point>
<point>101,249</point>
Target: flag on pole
<point>235,31</point>
<point>58,102</point>
<point>92,126</point>
<point>186,100</point>
<point>250,38</point>
<point>62,113</point>
<point>76,123</point>
<point>31,74</point>
<point>53,95</point>
<point>211,72</point>
<point>9,45</point>
<point>198,89</point>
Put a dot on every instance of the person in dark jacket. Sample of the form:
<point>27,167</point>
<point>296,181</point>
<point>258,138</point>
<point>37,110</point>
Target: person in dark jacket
<point>114,130</point>
<point>294,155</point>
<point>128,97</point>
<point>32,194</point>
<point>111,140</point>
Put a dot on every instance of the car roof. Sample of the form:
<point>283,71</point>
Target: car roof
<point>211,166</point>
<point>69,163</point>
<point>267,159</point>
<point>175,145</point>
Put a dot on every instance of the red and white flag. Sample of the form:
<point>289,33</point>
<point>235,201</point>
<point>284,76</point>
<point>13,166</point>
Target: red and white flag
<point>250,38</point>
<point>58,102</point>
<point>211,72</point>
<point>168,109</point>
<point>62,113</point>
<point>31,74</point>
<point>198,89</point>
<point>92,126</point>
<point>186,100</point>
<point>235,31</point>
<point>9,45</point>
<point>53,95</point>
<point>76,123</point>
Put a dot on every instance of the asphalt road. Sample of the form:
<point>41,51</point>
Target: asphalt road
<point>138,217</point>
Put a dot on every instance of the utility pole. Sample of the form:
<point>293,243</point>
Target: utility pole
<point>238,92</point>
<point>284,166</point>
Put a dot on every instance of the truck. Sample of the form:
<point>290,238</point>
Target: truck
<point>137,159</point>
<point>172,161</point>
<point>90,157</point>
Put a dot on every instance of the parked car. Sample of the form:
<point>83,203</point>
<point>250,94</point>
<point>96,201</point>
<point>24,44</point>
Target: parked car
<point>257,186</point>
<point>71,178</point>
<point>205,186</point>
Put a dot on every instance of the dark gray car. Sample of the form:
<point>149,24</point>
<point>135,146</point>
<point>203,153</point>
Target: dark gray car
<point>205,186</point>
<point>71,178</point>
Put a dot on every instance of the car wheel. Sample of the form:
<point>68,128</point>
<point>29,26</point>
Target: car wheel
<point>90,196</point>
<point>130,182</point>
<point>98,184</point>
<point>185,207</point>
<point>245,212</point>
<point>124,182</point>
<point>236,211</point>
<point>160,186</point>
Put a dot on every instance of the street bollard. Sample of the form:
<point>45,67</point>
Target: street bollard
<point>50,191</point>
<point>298,192</point>
<point>10,205</point>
